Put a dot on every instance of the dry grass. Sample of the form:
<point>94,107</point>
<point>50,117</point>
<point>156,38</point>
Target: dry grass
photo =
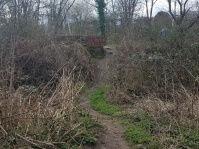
<point>43,122</point>
<point>18,112</point>
<point>41,60</point>
<point>163,91</point>
<point>42,111</point>
<point>154,86</point>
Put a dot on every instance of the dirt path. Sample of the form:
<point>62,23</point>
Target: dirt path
<point>112,138</point>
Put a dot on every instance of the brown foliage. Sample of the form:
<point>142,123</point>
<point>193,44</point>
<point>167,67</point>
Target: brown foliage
<point>159,69</point>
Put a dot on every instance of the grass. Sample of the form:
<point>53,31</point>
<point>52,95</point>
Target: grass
<point>85,134</point>
<point>146,132</point>
<point>111,45</point>
<point>137,134</point>
<point>49,126</point>
<point>99,103</point>
<point>138,130</point>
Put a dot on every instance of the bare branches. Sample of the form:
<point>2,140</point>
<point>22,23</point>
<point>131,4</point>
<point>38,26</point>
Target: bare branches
<point>65,15</point>
<point>149,12</point>
<point>193,23</point>
<point>90,4</point>
<point>183,11</point>
<point>128,8</point>
<point>170,11</point>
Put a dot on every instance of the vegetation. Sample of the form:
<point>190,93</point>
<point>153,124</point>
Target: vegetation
<point>153,70</point>
<point>96,53</point>
<point>136,134</point>
<point>101,12</point>
<point>155,133</point>
<point>46,127</point>
<point>99,103</point>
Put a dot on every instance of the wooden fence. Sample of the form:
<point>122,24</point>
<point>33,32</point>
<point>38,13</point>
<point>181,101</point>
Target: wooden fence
<point>90,41</point>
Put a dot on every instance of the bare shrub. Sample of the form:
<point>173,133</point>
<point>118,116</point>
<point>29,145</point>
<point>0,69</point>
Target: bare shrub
<point>43,122</point>
<point>39,61</point>
<point>42,111</point>
<point>157,72</point>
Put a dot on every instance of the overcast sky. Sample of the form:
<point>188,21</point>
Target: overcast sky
<point>162,5</point>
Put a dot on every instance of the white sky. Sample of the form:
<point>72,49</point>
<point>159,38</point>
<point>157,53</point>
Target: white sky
<point>162,5</point>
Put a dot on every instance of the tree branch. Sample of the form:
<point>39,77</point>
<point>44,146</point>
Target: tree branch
<point>90,4</point>
<point>170,11</point>
<point>56,30</point>
<point>194,22</point>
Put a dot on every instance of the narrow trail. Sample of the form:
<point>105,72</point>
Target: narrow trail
<point>112,137</point>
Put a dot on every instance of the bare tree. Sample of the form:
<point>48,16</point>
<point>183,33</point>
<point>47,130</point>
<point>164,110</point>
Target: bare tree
<point>149,9</point>
<point>13,42</point>
<point>127,10</point>
<point>80,14</point>
<point>197,17</point>
<point>183,10</point>
<point>37,11</point>
<point>59,13</point>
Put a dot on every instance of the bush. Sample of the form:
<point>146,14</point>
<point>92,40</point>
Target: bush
<point>41,61</point>
<point>41,111</point>
<point>46,121</point>
<point>165,67</point>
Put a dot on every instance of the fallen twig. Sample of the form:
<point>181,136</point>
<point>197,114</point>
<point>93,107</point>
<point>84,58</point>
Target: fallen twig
<point>3,130</point>
<point>25,139</point>
<point>47,143</point>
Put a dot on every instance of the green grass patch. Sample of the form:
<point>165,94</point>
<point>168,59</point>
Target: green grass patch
<point>110,45</point>
<point>138,130</point>
<point>144,131</point>
<point>99,103</point>
<point>141,131</point>
<point>136,134</point>
<point>189,137</point>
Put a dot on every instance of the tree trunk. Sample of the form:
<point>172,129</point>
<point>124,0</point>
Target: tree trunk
<point>13,45</point>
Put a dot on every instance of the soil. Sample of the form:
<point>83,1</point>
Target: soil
<point>112,137</point>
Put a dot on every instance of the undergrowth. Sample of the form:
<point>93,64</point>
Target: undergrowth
<point>96,53</point>
<point>52,122</point>
<point>40,109</point>
<point>99,103</point>
<point>137,134</point>
<point>144,131</point>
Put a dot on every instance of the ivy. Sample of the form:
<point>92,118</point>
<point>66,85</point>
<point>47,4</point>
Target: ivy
<point>102,21</point>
